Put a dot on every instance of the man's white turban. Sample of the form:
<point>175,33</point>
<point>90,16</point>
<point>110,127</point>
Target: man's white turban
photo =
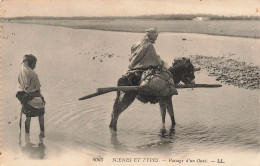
<point>151,31</point>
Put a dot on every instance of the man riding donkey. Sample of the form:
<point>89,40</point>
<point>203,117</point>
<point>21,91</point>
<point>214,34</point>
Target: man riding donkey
<point>144,58</point>
<point>149,80</point>
<point>29,94</point>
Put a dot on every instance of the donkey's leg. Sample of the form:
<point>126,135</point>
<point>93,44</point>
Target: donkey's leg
<point>162,104</point>
<point>115,105</point>
<point>123,100</point>
<point>119,106</point>
<point>170,109</point>
<point>121,82</point>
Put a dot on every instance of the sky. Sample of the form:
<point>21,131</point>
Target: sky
<point>65,8</point>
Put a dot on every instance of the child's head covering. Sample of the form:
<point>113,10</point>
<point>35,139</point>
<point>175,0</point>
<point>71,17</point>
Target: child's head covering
<point>30,58</point>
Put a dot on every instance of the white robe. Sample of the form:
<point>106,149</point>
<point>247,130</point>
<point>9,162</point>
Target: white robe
<point>28,81</point>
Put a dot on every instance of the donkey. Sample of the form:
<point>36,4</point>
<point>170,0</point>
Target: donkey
<point>181,70</point>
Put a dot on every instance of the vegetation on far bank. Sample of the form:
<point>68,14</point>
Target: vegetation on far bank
<point>155,17</point>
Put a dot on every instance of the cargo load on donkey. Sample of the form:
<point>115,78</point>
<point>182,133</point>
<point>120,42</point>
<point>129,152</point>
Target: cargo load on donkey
<point>156,83</point>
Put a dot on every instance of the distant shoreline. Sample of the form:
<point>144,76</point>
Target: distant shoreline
<point>232,28</point>
<point>99,29</point>
<point>150,17</point>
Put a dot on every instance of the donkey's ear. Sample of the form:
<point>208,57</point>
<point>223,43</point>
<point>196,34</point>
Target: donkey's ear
<point>188,60</point>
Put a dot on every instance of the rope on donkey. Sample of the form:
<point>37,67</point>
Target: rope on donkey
<point>155,72</point>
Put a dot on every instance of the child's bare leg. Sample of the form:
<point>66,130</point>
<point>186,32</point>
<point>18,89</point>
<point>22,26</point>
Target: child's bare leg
<point>41,122</point>
<point>27,124</point>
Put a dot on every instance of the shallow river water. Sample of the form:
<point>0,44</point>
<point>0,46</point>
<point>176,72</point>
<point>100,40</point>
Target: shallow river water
<point>209,120</point>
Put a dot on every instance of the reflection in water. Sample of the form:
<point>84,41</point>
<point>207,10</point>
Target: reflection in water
<point>164,134</point>
<point>162,144</point>
<point>32,150</point>
<point>167,138</point>
<point>117,145</point>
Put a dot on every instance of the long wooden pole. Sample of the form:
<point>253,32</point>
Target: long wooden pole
<point>198,86</point>
<point>101,91</point>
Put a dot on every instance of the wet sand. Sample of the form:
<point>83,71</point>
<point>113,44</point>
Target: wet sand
<point>72,63</point>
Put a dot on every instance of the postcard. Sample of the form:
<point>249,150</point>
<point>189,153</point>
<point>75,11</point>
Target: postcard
<point>130,82</point>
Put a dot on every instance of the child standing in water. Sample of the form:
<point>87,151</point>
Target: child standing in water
<point>29,93</point>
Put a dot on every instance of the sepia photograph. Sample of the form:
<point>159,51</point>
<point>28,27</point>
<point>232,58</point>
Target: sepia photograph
<point>130,82</point>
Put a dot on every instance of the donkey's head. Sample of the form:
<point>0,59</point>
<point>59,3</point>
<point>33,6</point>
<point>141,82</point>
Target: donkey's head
<point>182,70</point>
